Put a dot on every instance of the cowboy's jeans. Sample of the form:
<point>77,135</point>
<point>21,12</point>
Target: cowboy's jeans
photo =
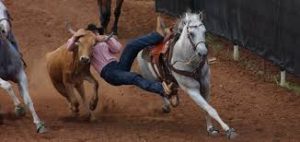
<point>118,73</point>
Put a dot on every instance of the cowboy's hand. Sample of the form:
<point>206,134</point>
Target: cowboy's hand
<point>101,38</point>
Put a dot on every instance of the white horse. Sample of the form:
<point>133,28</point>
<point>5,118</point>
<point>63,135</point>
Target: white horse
<point>12,68</point>
<point>190,68</point>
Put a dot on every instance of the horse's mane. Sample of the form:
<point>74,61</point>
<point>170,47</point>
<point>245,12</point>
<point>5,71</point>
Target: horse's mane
<point>177,30</point>
<point>10,60</point>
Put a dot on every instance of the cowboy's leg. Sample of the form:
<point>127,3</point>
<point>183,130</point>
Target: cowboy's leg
<point>119,77</point>
<point>135,46</point>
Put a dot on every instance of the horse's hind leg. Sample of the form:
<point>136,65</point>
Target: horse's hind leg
<point>117,14</point>
<point>23,87</point>
<point>19,110</point>
<point>104,11</point>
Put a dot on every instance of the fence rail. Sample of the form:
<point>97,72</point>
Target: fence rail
<point>269,28</point>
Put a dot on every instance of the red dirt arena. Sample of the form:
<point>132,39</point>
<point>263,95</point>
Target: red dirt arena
<point>260,111</point>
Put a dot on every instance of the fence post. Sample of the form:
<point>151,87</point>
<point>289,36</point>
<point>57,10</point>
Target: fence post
<point>282,78</point>
<point>236,53</point>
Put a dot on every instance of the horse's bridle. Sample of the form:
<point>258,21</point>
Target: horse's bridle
<point>194,45</point>
<point>195,72</point>
<point>8,18</point>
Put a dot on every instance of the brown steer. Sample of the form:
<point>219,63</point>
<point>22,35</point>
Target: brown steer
<point>68,69</point>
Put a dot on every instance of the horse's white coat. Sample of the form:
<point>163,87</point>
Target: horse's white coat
<point>183,52</point>
<point>23,88</point>
<point>20,77</point>
<point>3,15</point>
<point>8,88</point>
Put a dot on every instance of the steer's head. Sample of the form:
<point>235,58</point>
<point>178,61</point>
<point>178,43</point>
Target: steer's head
<point>82,44</point>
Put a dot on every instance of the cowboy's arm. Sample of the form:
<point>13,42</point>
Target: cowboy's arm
<point>71,43</point>
<point>114,45</point>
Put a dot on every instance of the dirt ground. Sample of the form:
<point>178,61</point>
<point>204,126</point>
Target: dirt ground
<point>259,111</point>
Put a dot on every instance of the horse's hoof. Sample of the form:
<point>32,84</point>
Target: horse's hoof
<point>166,109</point>
<point>40,128</point>
<point>20,111</point>
<point>213,131</point>
<point>231,133</point>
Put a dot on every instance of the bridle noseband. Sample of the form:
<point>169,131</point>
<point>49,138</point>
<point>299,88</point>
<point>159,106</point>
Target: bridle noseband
<point>7,18</point>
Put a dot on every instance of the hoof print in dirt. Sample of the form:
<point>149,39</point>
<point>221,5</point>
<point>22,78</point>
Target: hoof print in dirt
<point>166,109</point>
<point>231,133</point>
<point>213,132</point>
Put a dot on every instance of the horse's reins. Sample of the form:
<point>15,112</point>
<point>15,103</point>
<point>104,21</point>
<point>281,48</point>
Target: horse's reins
<point>191,40</point>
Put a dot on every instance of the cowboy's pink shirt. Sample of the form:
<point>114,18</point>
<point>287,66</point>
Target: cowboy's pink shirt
<point>103,52</point>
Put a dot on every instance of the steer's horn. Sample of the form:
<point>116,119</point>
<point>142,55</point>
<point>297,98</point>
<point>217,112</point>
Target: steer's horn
<point>69,28</point>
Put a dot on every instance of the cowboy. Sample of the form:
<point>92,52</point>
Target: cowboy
<point>117,72</point>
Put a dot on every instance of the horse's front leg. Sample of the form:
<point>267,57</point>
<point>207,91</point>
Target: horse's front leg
<point>23,87</point>
<point>104,12</point>
<point>205,92</point>
<point>117,14</point>
<point>19,109</point>
<point>194,93</point>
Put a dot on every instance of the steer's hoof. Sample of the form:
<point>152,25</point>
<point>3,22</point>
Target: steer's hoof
<point>93,105</point>
<point>213,131</point>
<point>166,109</point>
<point>20,111</point>
<point>40,128</point>
<point>92,118</point>
<point>231,133</point>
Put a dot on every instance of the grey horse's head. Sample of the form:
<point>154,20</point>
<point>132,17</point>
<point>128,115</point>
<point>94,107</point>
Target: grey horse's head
<point>192,25</point>
<point>4,19</point>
